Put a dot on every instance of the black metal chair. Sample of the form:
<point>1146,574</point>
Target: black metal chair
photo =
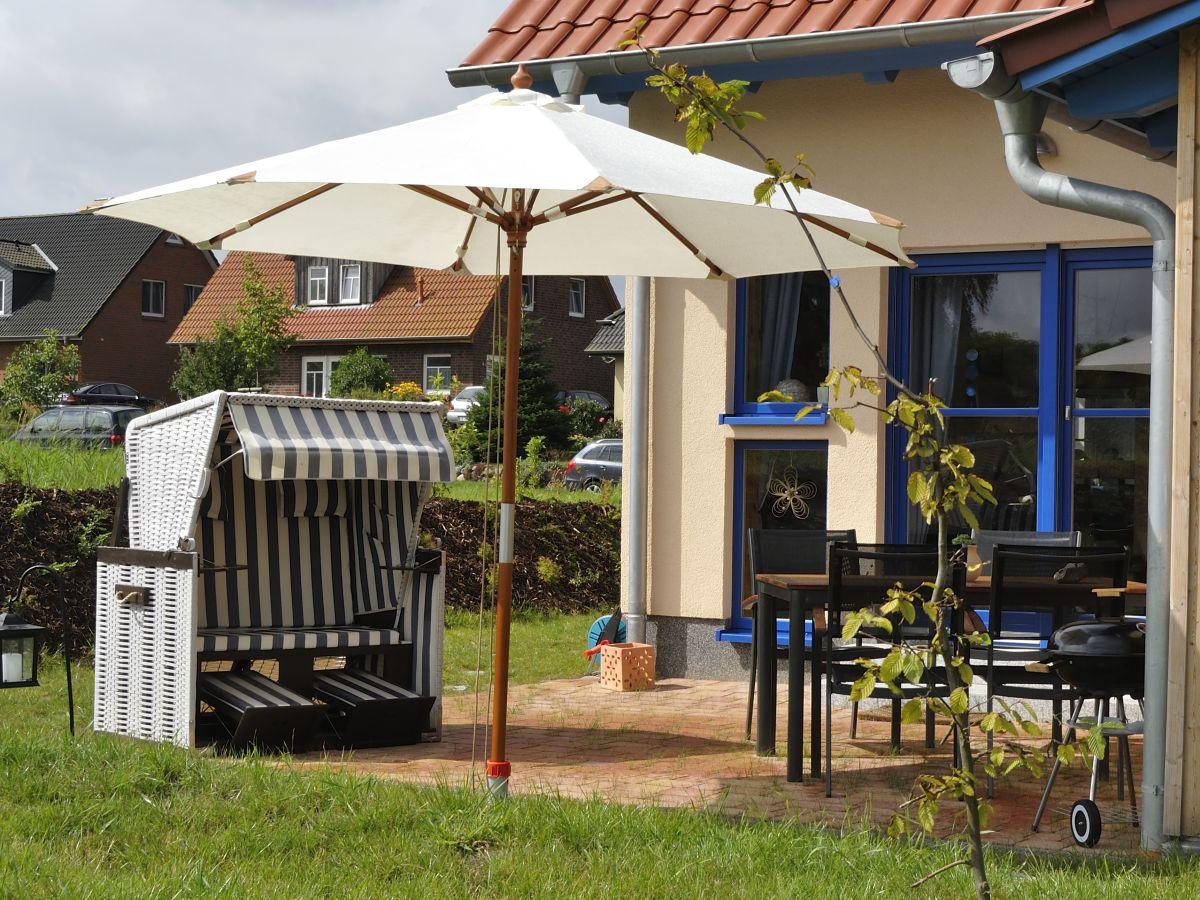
<point>778,551</point>
<point>859,577</point>
<point>1034,591</point>
<point>986,540</point>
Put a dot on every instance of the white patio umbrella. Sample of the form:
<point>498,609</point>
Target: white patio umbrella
<point>1132,356</point>
<point>572,194</point>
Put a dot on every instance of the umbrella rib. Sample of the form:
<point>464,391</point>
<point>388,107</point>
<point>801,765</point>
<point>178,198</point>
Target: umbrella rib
<point>851,237</point>
<point>677,234</point>
<point>461,205</point>
<point>273,211</point>
<point>461,251</point>
<point>487,198</point>
<point>576,205</point>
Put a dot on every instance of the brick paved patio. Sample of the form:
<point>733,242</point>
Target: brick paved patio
<point>682,746</point>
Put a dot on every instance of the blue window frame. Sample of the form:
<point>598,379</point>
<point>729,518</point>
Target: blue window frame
<point>737,627</point>
<point>747,410</point>
<point>1056,411</point>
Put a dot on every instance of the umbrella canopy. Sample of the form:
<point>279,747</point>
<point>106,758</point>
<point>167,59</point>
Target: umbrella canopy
<point>403,195</point>
<point>569,194</point>
<point>1131,356</point>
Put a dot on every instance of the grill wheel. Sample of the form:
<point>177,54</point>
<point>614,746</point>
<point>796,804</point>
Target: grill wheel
<point>1085,823</point>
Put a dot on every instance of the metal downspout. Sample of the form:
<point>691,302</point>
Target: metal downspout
<point>637,385</point>
<point>1021,116</point>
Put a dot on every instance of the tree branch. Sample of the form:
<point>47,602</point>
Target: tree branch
<point>936,872</point>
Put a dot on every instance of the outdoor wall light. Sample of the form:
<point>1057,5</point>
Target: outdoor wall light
<point>21,643</point>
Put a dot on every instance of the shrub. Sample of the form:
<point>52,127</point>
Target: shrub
<point>537,396</point>
<point>359,371</point>
<point>464,440</point>
<point>529,467</point>
<point>242,353</point>
<point>548,570</point>
<point>405,390</point>
<point>38,372</point>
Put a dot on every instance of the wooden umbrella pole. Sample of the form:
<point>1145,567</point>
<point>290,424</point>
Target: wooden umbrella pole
<point>498,767</point>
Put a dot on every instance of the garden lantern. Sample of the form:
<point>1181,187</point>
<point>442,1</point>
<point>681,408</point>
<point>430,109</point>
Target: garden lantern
<point>19,646</point>
<point>21,642</point>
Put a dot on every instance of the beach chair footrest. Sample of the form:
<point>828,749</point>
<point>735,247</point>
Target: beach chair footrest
<point>368,710</point>
<point>257,711</point>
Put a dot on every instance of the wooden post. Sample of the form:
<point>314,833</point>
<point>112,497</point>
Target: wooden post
<point>1181,808</point>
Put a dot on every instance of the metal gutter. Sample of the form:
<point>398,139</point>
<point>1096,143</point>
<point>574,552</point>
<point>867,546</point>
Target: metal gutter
<point>754,50</point>
<point>1021,116</point>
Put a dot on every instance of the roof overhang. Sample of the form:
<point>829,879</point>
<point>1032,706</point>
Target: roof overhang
<point>1107,61</point>
<point>878,50</point>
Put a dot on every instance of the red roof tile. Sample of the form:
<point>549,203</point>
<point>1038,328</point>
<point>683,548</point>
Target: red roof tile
<point>551,29</point>
<point>453,306</point>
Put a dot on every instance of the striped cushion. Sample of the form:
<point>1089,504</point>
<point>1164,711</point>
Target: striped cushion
<point>354,686</point>
<point>240,691</point>
<point>228,640</point>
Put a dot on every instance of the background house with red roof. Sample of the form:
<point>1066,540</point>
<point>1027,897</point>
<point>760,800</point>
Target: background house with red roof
<point>427,324</point>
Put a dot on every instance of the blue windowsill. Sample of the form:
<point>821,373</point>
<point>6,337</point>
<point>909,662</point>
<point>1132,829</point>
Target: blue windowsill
<point>815,417</point>
<point>742,635</point>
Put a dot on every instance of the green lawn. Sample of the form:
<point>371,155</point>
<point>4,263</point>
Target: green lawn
<point>68,468</point>
<point>104,817</point>
<point>544,646</point>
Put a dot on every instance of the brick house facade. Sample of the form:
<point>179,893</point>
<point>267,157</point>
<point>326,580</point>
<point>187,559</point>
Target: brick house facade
<point>91,292</point>
<point>413,315</point>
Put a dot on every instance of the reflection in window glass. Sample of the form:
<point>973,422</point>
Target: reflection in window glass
<point>1109,484</point>
<point>787,335</point>
<point>1005,449</point>
<point>784,488</point>
<point>978,336</point>
<point>1112,338</point>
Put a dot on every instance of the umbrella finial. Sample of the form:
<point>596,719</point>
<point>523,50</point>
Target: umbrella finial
<point>521,79</point>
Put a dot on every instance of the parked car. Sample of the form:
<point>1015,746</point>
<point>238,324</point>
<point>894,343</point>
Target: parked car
<point>462,403</point>
<point>87,426</point>
<point>597,463</point>
<point>108,393</point>
<point>565,398</point>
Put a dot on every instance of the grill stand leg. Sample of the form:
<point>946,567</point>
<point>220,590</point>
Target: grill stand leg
<point>1076,708</point>
<point>1101,712</point>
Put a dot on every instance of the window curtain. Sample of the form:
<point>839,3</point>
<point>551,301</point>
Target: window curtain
<point>780,304</point>
<point>937,324</point>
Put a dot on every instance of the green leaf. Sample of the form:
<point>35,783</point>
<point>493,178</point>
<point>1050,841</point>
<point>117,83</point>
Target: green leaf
<point>914,668</point>
<point>863,687</point>
<point>763,191</point>
<point>842,418</point>
<point>804,411</point>
<point>911,711</point>
<point>958,702</point>
<point>891,666</point>
<point>918,488</point>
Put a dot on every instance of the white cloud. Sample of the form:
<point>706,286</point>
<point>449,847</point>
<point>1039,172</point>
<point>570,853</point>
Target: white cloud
<point>107,96</point>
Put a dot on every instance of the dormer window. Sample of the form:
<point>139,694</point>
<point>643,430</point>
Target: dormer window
<point>173,238</point>
<point>351,284</point>
<point>318,285</point>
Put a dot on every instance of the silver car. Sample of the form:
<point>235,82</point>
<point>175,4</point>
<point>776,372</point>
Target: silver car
<point>593,466</point>
<point>462,403</point>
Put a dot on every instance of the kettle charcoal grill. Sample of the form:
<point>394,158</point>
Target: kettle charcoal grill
<point>1104,660</point>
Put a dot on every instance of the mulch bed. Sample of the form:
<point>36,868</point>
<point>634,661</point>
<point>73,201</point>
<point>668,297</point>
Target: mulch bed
<point>568,554</point>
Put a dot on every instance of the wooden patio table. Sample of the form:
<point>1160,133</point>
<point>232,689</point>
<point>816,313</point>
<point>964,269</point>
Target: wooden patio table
<point>804,594</point>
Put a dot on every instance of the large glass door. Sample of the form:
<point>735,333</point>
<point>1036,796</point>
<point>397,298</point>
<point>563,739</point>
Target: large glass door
<point>1108,413</point>
<point>1043,357</point>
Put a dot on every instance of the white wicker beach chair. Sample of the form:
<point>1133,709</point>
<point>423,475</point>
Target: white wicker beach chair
<point>281,530</point>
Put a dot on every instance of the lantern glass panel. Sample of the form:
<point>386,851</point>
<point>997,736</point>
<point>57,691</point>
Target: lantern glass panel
<point>18,659</point>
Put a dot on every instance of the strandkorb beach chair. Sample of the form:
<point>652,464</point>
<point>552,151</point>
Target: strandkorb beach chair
<point>272,590</point>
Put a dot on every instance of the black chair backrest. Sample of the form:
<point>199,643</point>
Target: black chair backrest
<point>785,551</point>
<point>986,541</point>
<point>1060,581</point>
<point>861,576</point>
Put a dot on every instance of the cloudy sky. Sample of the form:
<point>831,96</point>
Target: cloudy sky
<point>107,96</point>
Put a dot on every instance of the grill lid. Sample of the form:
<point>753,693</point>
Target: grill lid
<point>1099,638</point>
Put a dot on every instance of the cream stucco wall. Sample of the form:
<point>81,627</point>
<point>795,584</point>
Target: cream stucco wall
<point>619,387</point>
<point>920,150</point>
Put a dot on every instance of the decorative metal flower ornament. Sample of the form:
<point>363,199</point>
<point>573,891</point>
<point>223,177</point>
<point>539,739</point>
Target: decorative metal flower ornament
<point>791,495</point>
